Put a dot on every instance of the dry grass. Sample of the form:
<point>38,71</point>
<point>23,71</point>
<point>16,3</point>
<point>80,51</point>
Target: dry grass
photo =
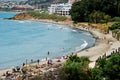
<point>101,26</point>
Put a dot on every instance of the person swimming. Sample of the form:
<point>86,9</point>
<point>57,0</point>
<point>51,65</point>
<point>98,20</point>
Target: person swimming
<point>48,53</point>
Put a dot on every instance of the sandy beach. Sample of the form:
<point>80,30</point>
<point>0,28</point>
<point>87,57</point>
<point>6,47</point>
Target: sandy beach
<point>101,47</point>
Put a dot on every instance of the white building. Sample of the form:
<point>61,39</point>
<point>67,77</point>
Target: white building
<point>61,9</point>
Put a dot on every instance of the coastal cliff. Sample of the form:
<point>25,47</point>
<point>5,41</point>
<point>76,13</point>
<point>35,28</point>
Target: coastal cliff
<point>22,16</point>
<point>52,18</point>
<point>35,15</point>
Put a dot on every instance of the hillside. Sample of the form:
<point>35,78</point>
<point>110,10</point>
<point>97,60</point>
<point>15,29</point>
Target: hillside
<point>42,4</point>
<point>33,2</point>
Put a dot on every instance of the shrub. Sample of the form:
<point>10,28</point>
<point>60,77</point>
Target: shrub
<point>117,19</point>
<point>44,15</point>
<point>115,26</point>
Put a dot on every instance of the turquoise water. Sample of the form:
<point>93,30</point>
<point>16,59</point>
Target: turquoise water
<point>21,40</point>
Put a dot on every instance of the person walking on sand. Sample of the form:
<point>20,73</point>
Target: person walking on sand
<point>23,64</point>
<point>31,60</point>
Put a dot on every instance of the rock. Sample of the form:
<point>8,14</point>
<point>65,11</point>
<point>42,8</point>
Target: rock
<point>8,18</point>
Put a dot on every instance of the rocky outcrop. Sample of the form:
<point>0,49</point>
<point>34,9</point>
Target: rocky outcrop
<point>22,16</point>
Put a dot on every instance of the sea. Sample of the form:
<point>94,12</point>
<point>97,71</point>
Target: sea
<point>26,40</point>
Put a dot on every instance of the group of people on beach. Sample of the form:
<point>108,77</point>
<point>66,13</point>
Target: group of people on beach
<point>28,70</point>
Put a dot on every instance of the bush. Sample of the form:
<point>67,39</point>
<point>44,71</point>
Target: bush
<point>117,19</point>
<point>102,21</point>
<point>115,26</point>
<point>44,15</point>
<point>76,68</point>
<point>107,68</point>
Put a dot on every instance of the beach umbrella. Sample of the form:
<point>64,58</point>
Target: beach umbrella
<point>50,61</point>
<point>58,59</point>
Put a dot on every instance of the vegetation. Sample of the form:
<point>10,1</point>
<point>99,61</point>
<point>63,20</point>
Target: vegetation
<point>115,26</point>
<point>76,68</point>
<point>99,17</point>
<point>116,19</point>
<point>95,10</point>
<point>107,68</point>
<point>45,15</point>
<point>77,11</point>
<point>115,30</point>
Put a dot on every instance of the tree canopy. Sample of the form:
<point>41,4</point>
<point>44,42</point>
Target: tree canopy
<point>76,68</point>
<point>115,30</point>
<point>81,10</point>
<point>107,68</point>
<point>115,26</point>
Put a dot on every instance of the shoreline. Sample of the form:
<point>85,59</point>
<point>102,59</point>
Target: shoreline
<point>97,50</point>
<point>59,23</point>
<point>93,52</point>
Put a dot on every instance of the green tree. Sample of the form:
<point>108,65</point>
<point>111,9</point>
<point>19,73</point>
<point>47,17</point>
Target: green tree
<point>97,74</point>
<point>115,26</point>
<point>112,68</point>
<point>115,30</point>
<point>96,16</point>
<point>107,68</point>
<point>107,18</point>
<point>76,68</point>
<point>81,10</point>
<point>71,71</point>
<point>77,11</point>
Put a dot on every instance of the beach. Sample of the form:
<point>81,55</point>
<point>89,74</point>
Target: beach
<point>101,47</point>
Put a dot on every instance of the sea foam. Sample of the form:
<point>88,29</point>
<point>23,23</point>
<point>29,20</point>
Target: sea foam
<point>21,21</point>
<point>84,45</point>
